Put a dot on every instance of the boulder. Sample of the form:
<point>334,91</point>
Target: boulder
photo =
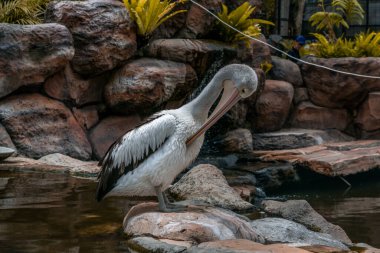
<point>87,117</point>
<point>6,152</point>
<point>39,126</point>
<point>149,244</point>
<point>5,139</point>
<point>286,70</point>
<point>102,30</point>
<point>31,53</point>
<point>145,84</point>
<point>300,211</point>
<point>297,138</point>
<point>243,246</point>
<point>70,87</point>
<point>330,89</point>
<point>272,107</point>
<point>255,53</point>
<point>300,95</point>
<point>368,118</point>
<point>206,183</point>
<point>197,224</point>
<point>235,141</point>
<point>200,54</point>
<point>109,129</point>
<point>285,231</point>
<point>308,115</point>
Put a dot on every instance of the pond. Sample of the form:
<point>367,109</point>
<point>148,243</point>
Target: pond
<point>45,212</point>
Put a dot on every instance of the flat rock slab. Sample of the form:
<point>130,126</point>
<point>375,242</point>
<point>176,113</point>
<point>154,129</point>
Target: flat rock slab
<point>335,159</point>
<point>6,152</point>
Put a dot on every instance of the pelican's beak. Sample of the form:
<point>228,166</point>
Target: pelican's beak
<point>229,98</point>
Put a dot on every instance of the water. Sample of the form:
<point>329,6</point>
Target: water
<point>57,213</point>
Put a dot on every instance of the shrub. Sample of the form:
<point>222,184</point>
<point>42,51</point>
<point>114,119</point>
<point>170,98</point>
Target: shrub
<point>23,12</point>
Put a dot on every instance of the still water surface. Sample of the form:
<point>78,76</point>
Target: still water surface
<point>57,213</point>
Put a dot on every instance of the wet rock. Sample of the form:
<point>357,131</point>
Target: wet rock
<point>39,126</point>
<point>333,90</point>
<point>145,84</point>
<point>102,30</point>
<point>301,212</point>
<point>297,138</point>
<point>368,118</point>
<point>200,54</point>
<point>286,70</point>
<point>103,135</point>
<point>285,231</point>
<point>325,249</point>
<point>5,139</point>
<point>274,176</point>
<point>300,95</point>
<point>197,224</point>
<point>246,192</point>
<point>87,117</point>
<point>207,184</point>
<point>255,54</point>
<point>149,244</point>
<point>308,115</point>
<point>235,141</point>
<point>272,107</point>
<point>6,152</point>
<point>71,87</point>
<point>31,53</point>
<point>243,246</point>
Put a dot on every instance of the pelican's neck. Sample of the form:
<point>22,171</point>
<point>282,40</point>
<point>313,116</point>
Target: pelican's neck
<point>201,105</point>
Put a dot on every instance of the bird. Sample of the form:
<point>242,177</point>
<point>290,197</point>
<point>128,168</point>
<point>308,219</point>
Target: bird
<point>146,160</point>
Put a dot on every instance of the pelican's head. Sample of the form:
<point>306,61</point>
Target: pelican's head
<point>238,81</point>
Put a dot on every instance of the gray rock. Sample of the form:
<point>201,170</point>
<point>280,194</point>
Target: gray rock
<point>274,176</point>
<point>149,244</point>
<point>102,30</point>
<point>286,70</point>
<point>6,152</point>
<point>206,183</point>
<point>5,139</point>
<point>300,95</point>
<point>297,138</point>
<point>31,53</point>
<point>300,211</point>
<point>285,231</point>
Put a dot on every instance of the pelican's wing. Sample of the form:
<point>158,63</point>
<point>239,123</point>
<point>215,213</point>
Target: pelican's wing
<point>132,149</point>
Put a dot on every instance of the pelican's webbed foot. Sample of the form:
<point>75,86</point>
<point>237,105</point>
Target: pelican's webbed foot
<point>165,205</point>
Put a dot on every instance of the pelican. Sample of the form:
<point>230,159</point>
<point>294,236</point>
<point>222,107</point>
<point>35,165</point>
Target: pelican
<point>146,160</point>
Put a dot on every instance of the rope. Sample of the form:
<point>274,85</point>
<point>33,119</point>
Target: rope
<point>279,50</point>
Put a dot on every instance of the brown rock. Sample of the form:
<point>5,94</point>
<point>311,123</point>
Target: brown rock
<point>300,95</point>
<point>145,84</point>
<point>325,249</point>
<point>286,70</point>
<point>255,54</point>
<point>109,130</point>
<point>368,118</point>
<point>244,246</point>
<point>236,141</point>
<point>329,89</point>
<point>308,115</point>
<point>5,139</point>
<point>39,126</point>
<point>200,54</point>
<point>246,192</point>
<point>198,224</point>
<point>87,117</point>
<point>103,33</point>
<point>301,212</point>
<point>272,107</point>
<point>31,53</point>
<point>69,86</point>
<point>207,184</point>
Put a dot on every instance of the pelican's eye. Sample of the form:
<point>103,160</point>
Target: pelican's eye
<point>244,90</point>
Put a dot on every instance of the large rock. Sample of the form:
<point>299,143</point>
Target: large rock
<point>87,116</point>
<point>368,118</point>
<point>103,33</point>
<point>330,89</point>
<point>297,138</point>
<point>255,53</point>
<point>300,211</point>
<point>207,184</point>
<point>285,231</point>
<point>145,84</point>
<point>39,126</point>
<point>5,139</point>
<point>286,70</point>
<point>300,95</point>
<point>272,107</point>
<point>149,244</point>
<point>31,53</point>
<point>235,141</point>
<point>109,130</point>
<point>196,224</point>
<point>200,54</point>
<point>308,115</point>
<point>70,87</point>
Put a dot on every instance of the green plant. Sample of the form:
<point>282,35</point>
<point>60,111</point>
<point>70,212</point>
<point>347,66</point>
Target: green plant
<point>150,14</point>
<point>22,12</point>
<point>266,66</point>
<point>240,19</point>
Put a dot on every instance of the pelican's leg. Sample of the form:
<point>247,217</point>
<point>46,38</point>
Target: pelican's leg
<point>172,205</point>
<point>166,207</point>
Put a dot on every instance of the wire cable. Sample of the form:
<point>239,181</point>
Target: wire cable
<point>279,50</point>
